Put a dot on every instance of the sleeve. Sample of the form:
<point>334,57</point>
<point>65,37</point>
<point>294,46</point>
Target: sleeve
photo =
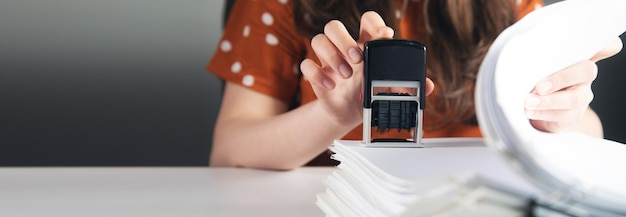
<point>260,48</point>
<point>526,6</point>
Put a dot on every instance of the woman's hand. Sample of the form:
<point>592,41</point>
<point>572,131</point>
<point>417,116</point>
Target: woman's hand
<point>561,101</point>
<point>337,81</point>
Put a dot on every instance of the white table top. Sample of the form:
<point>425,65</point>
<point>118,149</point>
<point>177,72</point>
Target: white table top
<point>160,191</point>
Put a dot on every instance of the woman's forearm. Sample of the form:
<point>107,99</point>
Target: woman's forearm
<point>282,142</point>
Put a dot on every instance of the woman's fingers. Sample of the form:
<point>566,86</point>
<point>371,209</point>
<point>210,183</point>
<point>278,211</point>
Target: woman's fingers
<point>583,72</point>
<point>613,48</point>
<point>373,27</point>
<point>568,118</point>
<point>338,52</point>
<point>561,99</point>
<point>330,57</point>
<point>578,97</point>
<point>563,117</point>
<point>316,75</point>
<point>562,95</point>
<point>430,86</point>
<point>559,110</point>
<point>339,35</point>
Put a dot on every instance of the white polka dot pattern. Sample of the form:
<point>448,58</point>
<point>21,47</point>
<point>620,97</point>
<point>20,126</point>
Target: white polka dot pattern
<point>226,46</point>
<point>246,31</point>
<point>283,1</point>
<point>236,67</point>
<point>267,19</point>
<point>271,39</point>
<point>248,80</point>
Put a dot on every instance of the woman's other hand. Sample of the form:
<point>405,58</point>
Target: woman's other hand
<point>561,101</point>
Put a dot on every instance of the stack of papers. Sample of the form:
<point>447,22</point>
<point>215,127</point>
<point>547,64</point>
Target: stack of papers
<point>450,177</point>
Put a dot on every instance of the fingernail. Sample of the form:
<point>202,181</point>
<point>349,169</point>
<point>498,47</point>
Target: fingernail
<point>544,87</point>
<point>328,84</point>
<point>345,70</point>
<point>355,55</point>
<point>532,101</point>
<point>386,32</point>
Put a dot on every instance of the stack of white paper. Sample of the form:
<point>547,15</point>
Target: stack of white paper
<point>450,177</point>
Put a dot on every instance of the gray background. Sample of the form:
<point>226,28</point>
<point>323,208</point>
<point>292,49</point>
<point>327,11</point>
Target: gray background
<point>122,82</point>
<point>115,82</point>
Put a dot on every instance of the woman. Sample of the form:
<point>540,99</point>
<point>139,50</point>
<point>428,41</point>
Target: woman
<point>273,117</point>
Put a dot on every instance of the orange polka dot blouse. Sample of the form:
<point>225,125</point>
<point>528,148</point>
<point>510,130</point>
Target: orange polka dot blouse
<point>262,50</point>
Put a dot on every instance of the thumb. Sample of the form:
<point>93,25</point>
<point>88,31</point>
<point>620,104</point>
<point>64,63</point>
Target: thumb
<point>613,48</point>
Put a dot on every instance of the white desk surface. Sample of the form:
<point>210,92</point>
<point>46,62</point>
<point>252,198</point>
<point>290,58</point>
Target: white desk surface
<point>159,191</point>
